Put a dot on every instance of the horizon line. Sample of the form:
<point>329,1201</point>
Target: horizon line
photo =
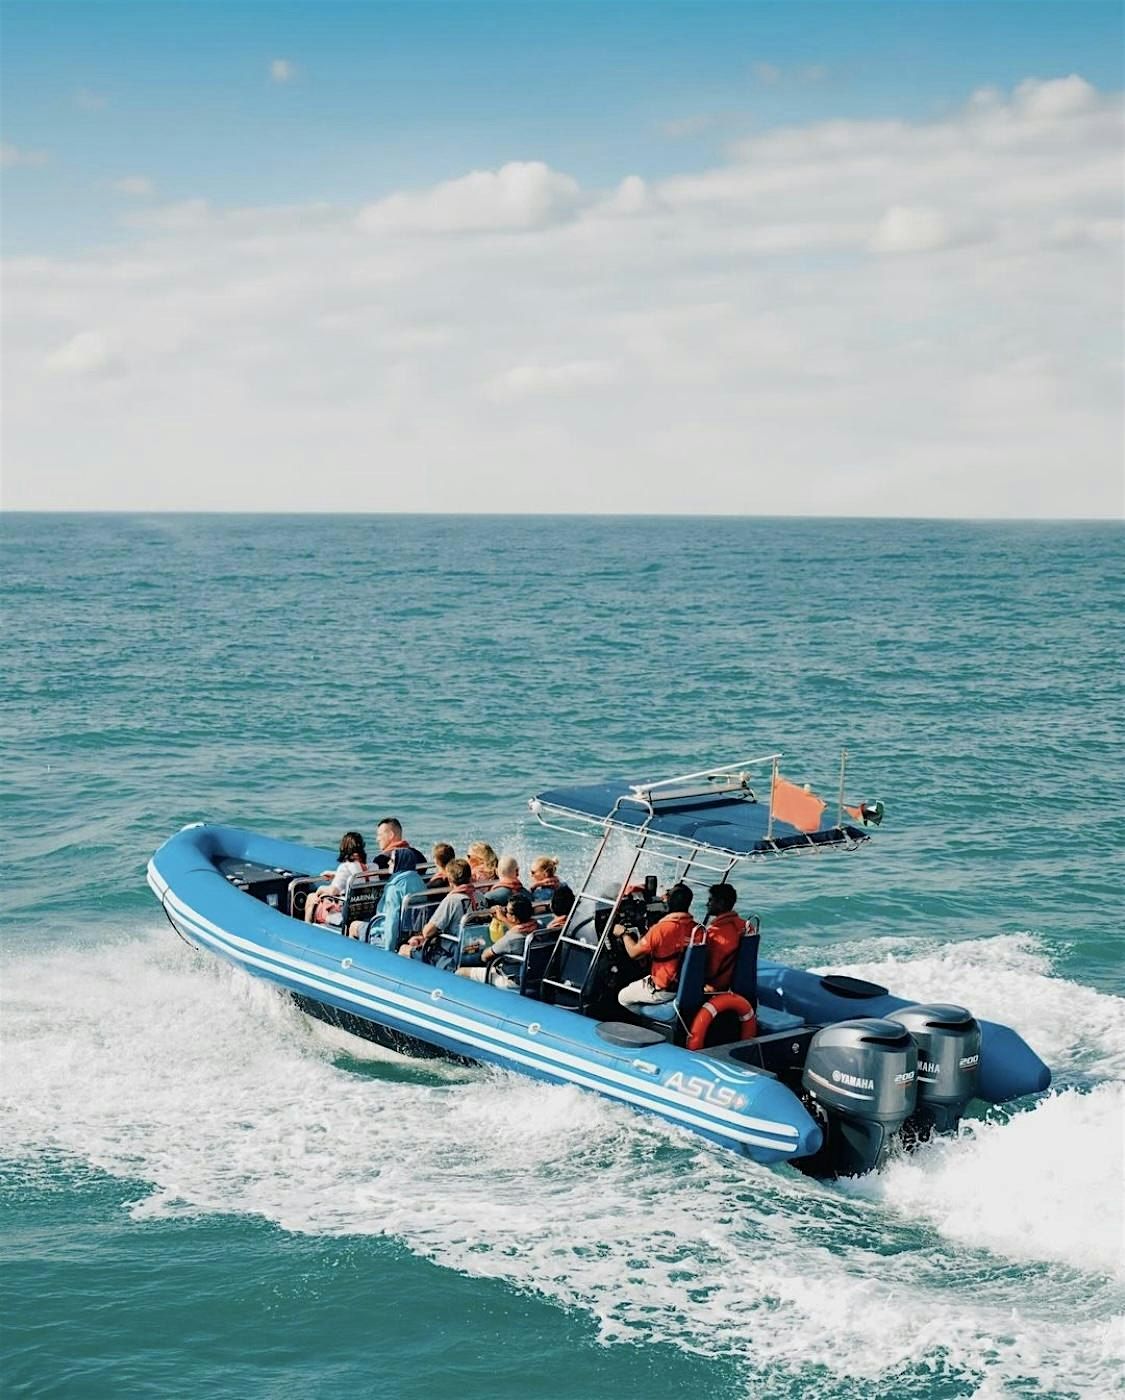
<point>291,513</point>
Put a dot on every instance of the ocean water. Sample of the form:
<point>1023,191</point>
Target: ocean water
<point>205,1196</point>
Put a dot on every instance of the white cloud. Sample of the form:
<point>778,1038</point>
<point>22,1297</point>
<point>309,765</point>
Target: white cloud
<point>743,340</point>
<point>906,230</point>
<point>1057,97</point>
<point>282,70</point>
<point>87,354</point>
<point>632,196</point>
<point>88,101</point>
<point>11,156</point>
<point>1107,233</point>
<point>520,195</point>
<point>523,381</point>
<point>138,186</point>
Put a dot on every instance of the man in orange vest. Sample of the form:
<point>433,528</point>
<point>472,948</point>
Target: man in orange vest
<point>724,934</point>
<point>664,943</point>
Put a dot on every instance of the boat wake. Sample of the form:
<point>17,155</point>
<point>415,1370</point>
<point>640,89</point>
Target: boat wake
<point>1078,1031</point>
<point>986,1259</point>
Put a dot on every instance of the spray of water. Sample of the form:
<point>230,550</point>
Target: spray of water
<point>990,1257</point>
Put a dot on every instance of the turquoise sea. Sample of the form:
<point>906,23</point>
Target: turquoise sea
<point>205,1197</point>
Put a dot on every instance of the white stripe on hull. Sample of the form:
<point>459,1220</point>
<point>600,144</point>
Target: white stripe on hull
<point>473,1035</point>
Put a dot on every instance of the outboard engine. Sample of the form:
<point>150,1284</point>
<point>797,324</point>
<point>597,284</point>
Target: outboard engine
<point>948,1041</point>
<point>859,1082</point>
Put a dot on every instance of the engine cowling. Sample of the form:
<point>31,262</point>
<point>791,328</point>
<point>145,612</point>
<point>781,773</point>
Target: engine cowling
<point>859,1079</point>
<point>948,1041</point>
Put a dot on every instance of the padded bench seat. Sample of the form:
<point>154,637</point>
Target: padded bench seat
<point>771,1020</point>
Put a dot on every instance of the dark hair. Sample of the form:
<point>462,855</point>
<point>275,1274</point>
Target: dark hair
<point>394,824</point>
<point>459,872</point>
<point>520,905</point>
<point>443,853</point>
<point>723,898</point>
<point>679,899</point>
<point>403,858</point>
<point>352,848</point>
<point>562,901</point>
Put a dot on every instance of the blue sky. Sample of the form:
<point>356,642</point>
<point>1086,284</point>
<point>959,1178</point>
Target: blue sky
<point>385,96</point>
<point>784,258</point>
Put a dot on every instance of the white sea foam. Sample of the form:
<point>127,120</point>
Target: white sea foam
<point>1047,1184</point>
<point>159,1066</point>
<point>1008,979</point>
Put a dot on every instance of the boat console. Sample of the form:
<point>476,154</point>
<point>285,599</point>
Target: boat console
<point>267,883</point>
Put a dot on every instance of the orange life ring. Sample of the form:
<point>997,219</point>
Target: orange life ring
<point>725,1001</point>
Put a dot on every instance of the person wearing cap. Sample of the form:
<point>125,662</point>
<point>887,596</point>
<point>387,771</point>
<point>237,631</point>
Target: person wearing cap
<point>665,943</point>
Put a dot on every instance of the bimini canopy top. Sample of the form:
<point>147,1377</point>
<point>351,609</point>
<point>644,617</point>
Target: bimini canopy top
<point>718,809</point>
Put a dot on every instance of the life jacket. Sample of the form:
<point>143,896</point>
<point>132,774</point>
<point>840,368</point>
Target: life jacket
<point>384,860</point>
<point>664,975</point>
<point>720,969</point>
<point>436,950</point>
<point>515,955</point>
<point>470,891</point>
<point>503,890</point>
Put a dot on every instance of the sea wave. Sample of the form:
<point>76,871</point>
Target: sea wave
<point>158,1066</point>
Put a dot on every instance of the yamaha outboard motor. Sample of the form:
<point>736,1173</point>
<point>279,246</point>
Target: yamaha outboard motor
<point>948,1041</point>
<point>858,1082</point>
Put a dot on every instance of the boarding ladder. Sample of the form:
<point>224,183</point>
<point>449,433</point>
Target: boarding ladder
<point>569,978</point>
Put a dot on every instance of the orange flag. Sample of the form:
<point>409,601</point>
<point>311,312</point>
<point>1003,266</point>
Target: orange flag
<point>795,806</point>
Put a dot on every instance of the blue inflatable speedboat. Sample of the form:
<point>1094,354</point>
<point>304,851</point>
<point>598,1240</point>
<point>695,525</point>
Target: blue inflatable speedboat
<point>782,1065</point>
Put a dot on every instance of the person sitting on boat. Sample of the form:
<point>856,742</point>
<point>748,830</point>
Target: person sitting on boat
<point>664,943</point>
<point>521,925</point>
<point>544,878</point>
<point>724,933</point>
<point>441,853</point>
<point>482,860</point>
<point>508,882</point>
<point>383,928</point>
<point>497,898</point>
<point>562,902</point>
<point>389,836</point>
<point>352,858</point>
<point>446,918</point>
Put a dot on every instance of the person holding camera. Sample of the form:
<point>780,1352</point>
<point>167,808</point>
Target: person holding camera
<point>664,944</point>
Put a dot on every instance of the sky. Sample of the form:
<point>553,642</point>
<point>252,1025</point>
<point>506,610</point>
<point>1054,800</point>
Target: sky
<point>709,257</point>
